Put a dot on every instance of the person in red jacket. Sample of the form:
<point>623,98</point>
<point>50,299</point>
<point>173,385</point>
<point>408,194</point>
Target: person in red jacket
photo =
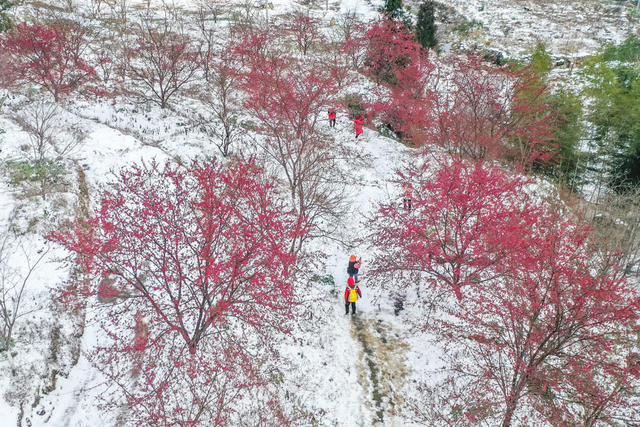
<point>351,295</point>
<point>358,122</point>
<point>332,117</point>
<point>353,267</point>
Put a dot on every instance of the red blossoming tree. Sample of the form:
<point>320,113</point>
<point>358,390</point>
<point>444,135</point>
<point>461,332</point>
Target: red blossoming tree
<point>304,30</point>
<point>532,319</point>
<point>289,98</point>
<point>492,113</point>
<point>405,102</point>
<point>390,47</point>
<point>50,56</point>
<point>407,107</point>
<point>184,262</point>
<point>551,337</point>
<point>458,213</point>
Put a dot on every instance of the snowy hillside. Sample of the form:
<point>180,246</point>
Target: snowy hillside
<point>569,29</point>
<point>134,83</point>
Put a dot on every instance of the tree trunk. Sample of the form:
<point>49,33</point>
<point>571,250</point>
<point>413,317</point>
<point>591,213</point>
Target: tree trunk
<point>7,348</point>
<point>511,408</point>
<point>512,401</point>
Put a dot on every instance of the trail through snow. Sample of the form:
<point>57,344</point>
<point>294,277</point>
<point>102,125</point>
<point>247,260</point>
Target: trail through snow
<point>382,369</point>
<point>374,334</point>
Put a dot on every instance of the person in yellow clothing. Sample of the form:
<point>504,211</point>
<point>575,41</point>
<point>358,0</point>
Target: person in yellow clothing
<point>351,295</point>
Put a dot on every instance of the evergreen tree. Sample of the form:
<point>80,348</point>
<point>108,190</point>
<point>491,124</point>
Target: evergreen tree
<point>628,51</point>
<point>426,27</point>
<point>5,19</point>
<point>615,114</point>
<point>541,60</point>
<point>568,163</point>
<point>563,109</point>
<point>393,8</point>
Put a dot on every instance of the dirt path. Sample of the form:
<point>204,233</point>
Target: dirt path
<point>83,192</point>
<point>82,211</point>
<point>382,370</point>
<point>78,317</point>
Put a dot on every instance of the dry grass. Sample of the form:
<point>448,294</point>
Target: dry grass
<point>382,369</point>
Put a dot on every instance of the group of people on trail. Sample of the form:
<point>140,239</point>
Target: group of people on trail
<point>358,125</point>
<point>358,121</point>
<point>352,291</point>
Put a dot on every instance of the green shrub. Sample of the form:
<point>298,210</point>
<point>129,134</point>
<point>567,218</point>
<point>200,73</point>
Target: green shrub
<point>5,20</point>
<point>540,60</point>
<point>466,26</point>
<point>386,130</point>
<point>46,170</point>
<point>568,164</point>
<point>457,411</point>
<point>328,281</point>
<point>628,51</point>
<point>353,101</point>
<point>325,280</point>
<point>392,8</point>
<point>249,125</point>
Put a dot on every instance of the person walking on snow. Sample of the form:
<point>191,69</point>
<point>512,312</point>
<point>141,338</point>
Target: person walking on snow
<point>358,122</point>
<point>332,117</point>
<point>351,295</point>
<point>408,196</point>
<point>353,267</point>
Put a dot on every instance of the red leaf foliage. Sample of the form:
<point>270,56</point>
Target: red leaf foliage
<point>49,55</point>
<point>482,112</point>
<point>407,107</point>
<point>406,104</point>
<point>185,261</point>
<point>288,97</point>
<point>493,113</point>
<point>542,323</point>
<point>460,212</point>
<point>390,47</point>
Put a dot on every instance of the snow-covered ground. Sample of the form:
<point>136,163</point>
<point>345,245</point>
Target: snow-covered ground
<point>568,28</point>
<point>353,370</point>
<point>337,370</point>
